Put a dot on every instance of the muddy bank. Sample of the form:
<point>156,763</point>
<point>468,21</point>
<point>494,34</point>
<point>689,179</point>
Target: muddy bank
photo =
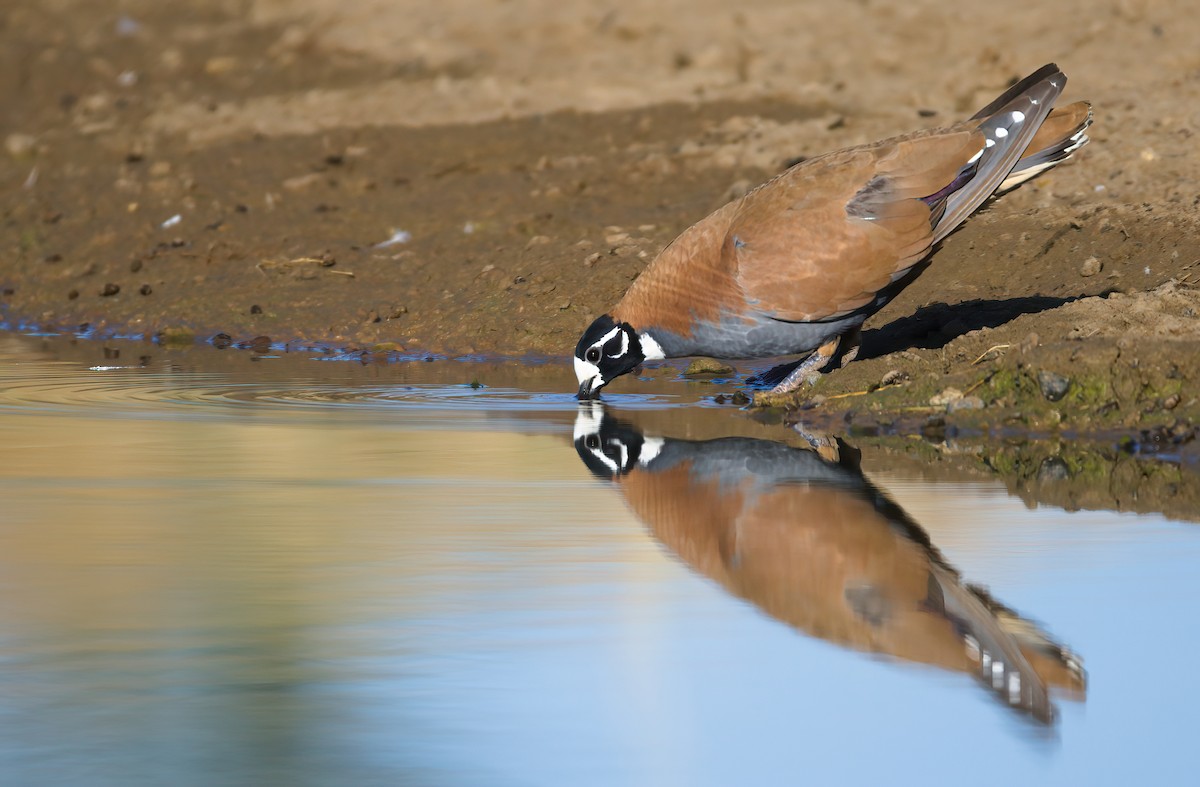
<point>462,179</point>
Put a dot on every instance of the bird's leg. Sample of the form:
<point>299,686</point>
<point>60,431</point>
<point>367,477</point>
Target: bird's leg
<point>808,371</point>
<point>849,345</point>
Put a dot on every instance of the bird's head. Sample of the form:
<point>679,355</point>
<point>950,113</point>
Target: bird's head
<point>608,446</point>
<point>607,350</point>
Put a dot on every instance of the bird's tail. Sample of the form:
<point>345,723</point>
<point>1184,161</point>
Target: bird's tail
<point>1010,124</point>
<point>1063,133</point>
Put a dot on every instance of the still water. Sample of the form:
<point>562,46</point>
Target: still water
<point>226,568</point>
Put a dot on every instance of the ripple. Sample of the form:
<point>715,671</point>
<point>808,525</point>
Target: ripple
<point>58,387</point>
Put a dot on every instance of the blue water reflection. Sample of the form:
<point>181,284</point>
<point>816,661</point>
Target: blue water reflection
<point>318,594</point>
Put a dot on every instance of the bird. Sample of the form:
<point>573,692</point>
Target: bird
<point>797,265</point>
<point>817,546</point>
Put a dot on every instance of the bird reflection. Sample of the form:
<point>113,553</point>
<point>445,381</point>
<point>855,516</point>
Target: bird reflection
<point>812,543</point>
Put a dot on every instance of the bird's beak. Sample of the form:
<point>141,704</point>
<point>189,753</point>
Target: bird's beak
<point>586,391</point>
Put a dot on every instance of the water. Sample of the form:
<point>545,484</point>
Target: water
<point>222,570</point>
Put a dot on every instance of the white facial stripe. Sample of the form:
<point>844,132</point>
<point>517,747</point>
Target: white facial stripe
<point>587,421</point>
<point>624,346</point>
<point>586,371</point>
<point>610,464</point>
<point>600,342</point>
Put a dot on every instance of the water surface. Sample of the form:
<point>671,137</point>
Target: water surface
<point>222,568</point>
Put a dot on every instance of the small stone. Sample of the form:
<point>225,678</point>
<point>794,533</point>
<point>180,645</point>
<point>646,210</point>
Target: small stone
<point>256,309</point>
<point>72,295</point>
<point>538,240</point>
<point>1054,386</point>
<point>145,289</point>
<point>740,399</point>
<point>1053,469</point>
<point>964,403</point>
<point>592,259</point>
<point>720,399</point>
<point>135,266</point>
<point>1091,266</point>
<point>109,290</point>
<point>707,366</point>
<point>222,341</point>
<point>177,336</point>
<point>1172,401</point>
<point>19,145</point>
<point>894,377</point>
<point>946,397</point>
<point>261,344</point>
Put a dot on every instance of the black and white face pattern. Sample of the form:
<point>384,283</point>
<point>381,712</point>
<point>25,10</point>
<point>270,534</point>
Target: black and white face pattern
<point>606,350</point>
<point>609,447</point>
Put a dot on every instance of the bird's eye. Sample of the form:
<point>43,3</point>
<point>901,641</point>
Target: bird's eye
<point>593,354</point>
<point>593,442</point>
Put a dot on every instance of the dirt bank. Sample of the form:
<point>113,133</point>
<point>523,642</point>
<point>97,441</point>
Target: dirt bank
<point>465,178</point>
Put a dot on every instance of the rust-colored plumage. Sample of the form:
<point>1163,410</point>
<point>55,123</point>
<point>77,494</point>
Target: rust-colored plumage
<point>800,262</point>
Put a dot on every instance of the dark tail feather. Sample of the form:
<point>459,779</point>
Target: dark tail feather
<point>1063,133</point>
<point>1009,124</point>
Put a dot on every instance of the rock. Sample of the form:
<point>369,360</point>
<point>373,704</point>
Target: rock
<point>177,335</point>
<point>964,403</point>
<point>894,377</point>
<point>222,341</point>
<point>1172,401</point>
<point>19,145</point>
<point>109,290</point>
<point>1091,266</point>
<point>1053,469</point>
<point>1054,386</point>
<point>740,399</point>
<point>946,397</point>
<point>707,366</point>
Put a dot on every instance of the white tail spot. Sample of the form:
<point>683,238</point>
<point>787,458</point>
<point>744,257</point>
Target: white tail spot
<point>1018,116</point>
<point>1001,133</point>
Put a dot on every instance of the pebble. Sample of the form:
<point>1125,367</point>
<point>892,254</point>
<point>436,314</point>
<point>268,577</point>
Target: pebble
<point>1091,266</point>
<point>145,289</point>
<point>946,397</point>
<point>19,145</point>
<point>964,403</point>
<point>1054,386</point>
<point>894,377</point>
<point>109,289</point>
<point>707,366</point>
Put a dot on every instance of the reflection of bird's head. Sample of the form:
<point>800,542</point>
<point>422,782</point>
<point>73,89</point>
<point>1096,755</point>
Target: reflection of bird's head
<point>610,447</point>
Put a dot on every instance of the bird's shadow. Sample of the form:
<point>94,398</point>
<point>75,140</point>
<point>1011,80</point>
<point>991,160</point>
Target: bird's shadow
<point>931,328</point>
<point>936,325</point>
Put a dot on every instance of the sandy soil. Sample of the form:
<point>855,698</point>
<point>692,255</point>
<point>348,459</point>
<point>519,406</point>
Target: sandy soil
<point>467,177</point>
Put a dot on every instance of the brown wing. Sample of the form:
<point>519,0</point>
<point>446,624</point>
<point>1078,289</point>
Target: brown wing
<point>825,237</point>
